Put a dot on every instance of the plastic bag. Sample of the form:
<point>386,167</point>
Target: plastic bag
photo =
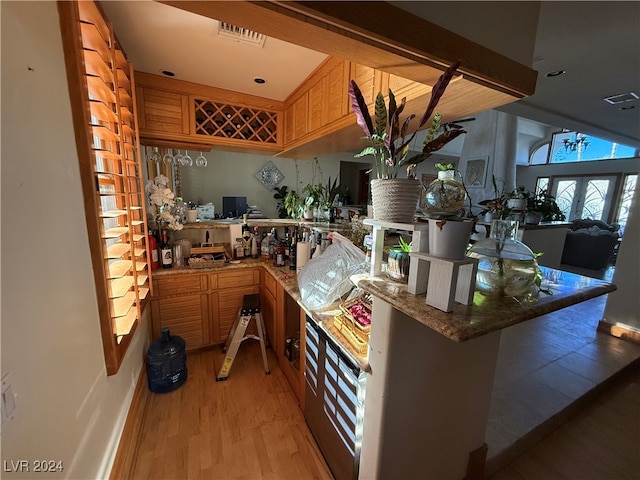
<point>325,279</point>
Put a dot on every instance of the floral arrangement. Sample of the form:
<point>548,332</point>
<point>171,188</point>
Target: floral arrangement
<point>388,138</point>
<point>162,202</point>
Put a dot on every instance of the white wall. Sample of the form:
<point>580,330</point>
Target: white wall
<point>623,305</point>
<point>67,407</point>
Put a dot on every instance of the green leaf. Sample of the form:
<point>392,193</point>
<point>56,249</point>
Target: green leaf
<point>380,115</point>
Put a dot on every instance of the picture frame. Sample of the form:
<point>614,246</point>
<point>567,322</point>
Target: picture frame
<point>475,174</point>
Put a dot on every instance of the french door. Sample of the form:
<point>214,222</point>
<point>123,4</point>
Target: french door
<point>585,196</point>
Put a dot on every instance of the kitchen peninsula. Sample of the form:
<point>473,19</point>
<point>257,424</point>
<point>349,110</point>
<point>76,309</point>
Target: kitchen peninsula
<point>429,374</point>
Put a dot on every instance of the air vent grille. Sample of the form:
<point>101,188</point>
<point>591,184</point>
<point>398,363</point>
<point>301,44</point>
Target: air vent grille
<point>241,34</point>
<point>621,98</point>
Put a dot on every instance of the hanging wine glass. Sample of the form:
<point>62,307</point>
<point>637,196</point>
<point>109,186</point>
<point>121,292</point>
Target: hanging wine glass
<point>187,161</point>
<point>154,156</point>
<point>201,160</point>
<point>177,159</point>
<point>168,157</point>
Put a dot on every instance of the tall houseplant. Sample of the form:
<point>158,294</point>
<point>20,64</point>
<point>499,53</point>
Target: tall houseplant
<point>395,199</point>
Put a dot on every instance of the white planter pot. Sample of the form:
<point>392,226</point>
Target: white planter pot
<point>449,239</point>
<point>192,216</point>
<point>519,204</point>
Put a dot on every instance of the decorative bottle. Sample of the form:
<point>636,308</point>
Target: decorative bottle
<point>506,266</point>
<point>445,195</point>
<point>166,255</point>
<point>246,236</point>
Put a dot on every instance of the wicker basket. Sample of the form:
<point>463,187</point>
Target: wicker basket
<point>395,200</point>
<point>356,339</point>
<point>345,306</point>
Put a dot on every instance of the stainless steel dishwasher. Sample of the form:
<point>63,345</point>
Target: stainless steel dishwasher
<point>334,402</point>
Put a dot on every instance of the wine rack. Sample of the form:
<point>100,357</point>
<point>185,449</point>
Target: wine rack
<point>103,102</point>
<point>235,122</point>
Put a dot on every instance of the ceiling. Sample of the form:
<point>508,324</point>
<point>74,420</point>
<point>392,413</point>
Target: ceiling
<point>596,43</point>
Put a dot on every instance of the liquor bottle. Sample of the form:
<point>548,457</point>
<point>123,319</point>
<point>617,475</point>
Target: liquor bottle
<point>153,248</point>
<point>278,260</point>
<point>239,249</point>
<point>254,243</point>
<point>246,236</point>
<point>264,247</point>
<point>287,242</point>
<point>292,251</point>
<point>166,255</point>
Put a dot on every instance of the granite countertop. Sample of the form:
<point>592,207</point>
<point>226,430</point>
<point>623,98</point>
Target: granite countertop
<point>486,314</point>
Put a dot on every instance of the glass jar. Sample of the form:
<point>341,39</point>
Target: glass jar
<point>445,195</point>
<point>506,266</point>
<point>398,265</point>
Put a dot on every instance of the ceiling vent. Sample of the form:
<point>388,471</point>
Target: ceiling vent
<point>621,98</point>
<point>241,34</point>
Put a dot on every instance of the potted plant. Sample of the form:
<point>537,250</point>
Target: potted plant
<point>192,213</point>
<point>518,199</point>
<point>544,204</point>
<point>498,206</point>
<point>280,196</point>
<point>298,207</point>
<point>398,261</point>
<point>449,230</point>
<point>394,199</point>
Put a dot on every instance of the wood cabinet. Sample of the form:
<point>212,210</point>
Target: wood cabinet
<point>201,307</point>
<point>103,102</point>
<point>284,321</point>
<point>181,114</point>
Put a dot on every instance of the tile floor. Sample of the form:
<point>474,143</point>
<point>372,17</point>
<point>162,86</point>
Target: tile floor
<point>546,369</point>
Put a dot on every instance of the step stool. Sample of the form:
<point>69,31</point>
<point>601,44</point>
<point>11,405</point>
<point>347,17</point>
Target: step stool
<point>250,310</point>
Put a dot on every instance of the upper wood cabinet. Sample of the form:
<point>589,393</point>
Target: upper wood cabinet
<point>179,114</point>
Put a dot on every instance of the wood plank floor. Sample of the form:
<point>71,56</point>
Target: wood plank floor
<point>249,426</point>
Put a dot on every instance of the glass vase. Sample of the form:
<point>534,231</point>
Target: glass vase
<point>506,266</point>
<point>445,195</point>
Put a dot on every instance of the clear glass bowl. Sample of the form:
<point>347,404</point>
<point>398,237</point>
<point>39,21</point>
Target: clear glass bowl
<point>506,266</point>
<point>445,195</point>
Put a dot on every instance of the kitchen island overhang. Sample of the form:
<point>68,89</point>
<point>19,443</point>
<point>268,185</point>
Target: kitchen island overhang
<point>429,389</point>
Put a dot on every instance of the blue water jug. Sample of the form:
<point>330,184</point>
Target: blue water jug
<point>166,363</point>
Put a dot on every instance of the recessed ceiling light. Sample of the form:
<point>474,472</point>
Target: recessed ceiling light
<point>168,73</point>
<point>259,80</point>
<point>555,73</point>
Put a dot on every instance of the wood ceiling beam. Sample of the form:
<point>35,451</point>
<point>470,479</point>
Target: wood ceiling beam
<point>375,34</point>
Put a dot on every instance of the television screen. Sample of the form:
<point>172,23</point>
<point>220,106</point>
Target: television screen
<point>234,207</point>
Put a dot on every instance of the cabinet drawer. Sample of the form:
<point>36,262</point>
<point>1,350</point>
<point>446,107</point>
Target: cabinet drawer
<point>270,283</point>
<point>239,278</point>
<point>180,284</point>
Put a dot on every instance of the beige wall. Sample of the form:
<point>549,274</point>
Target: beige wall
<point>234,174</point>
<point>67,409</point>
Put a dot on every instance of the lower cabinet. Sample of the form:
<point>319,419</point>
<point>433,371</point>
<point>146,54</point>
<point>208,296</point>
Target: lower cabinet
<point>186,316</point>
<point>201,307</point>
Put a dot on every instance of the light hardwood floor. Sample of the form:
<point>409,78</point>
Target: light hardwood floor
<point>249,426</point>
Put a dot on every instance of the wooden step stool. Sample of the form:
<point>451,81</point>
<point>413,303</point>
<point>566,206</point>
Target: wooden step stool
<point>250,310</point>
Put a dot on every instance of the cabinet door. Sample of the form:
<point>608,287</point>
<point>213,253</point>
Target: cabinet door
<point>186,316</point>
<point>165,112</point>
<point>229,303</point>
<point>268,310</point>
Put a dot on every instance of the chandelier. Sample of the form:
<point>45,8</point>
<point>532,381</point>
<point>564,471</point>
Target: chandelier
<point>578,142</point>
